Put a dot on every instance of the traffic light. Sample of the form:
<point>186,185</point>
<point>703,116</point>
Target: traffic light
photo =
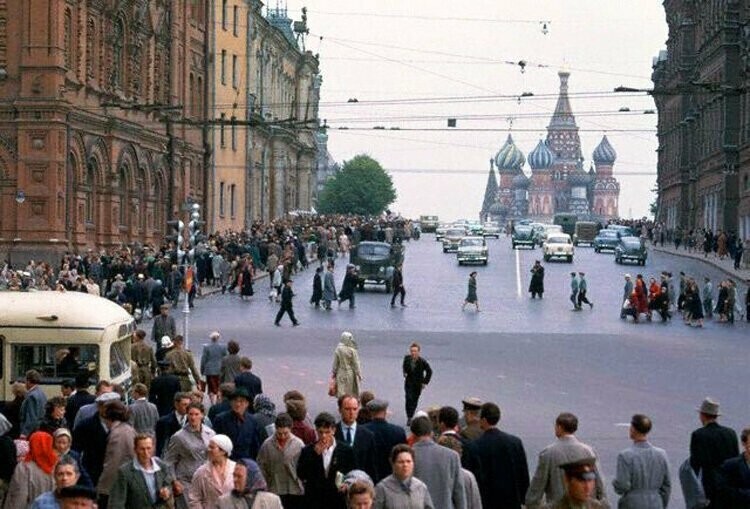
<point>194,232</point>
<point>177,237</point>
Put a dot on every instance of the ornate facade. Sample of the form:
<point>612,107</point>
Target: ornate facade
<point>264,91</point>
<point>558,182</point>
<point>700,88</point>
<point>89,94</point>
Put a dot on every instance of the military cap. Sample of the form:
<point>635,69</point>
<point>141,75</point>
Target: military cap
<point>472,403</point>
<point>582,468</point>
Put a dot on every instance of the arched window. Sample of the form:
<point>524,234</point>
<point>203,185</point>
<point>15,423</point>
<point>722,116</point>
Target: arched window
<point>158,203</point>
<point>90,48</point>
<point>124,196</point>
<point>118,54</point>
<point>191,95</point>
<point>89,185</point>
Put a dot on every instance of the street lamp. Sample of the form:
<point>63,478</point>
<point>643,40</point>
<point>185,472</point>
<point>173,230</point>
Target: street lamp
<point>20,198</point>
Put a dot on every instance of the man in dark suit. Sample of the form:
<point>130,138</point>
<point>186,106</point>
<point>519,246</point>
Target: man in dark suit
<point>320,463</point>
<point>240,426</point>
<point>417,374</point>
<point>448,425</point>
<point>361,440</point>
<point>286,305</point>
<point>248,380</point>
<point>504,477</point>
<point>81,397</point>
<point>173,422</point>
<point>710,446</point>
<point>386,435</point>
<point>733,477</point>
<point>163,388</point>
<point>90,439</point>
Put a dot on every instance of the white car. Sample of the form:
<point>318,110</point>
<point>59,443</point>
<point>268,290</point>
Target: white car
<point>492,229</point>
<point>558,245</point>
<point>472,250</point>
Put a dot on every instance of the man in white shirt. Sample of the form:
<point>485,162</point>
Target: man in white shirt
<point>360,439</point>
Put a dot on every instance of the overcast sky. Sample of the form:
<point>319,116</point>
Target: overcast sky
<point>391,55</point>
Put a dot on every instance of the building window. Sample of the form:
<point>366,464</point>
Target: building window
<point>191,95</point>
<point>235,72</point>
<point>234,133</point>
<point>232,202</point>
<point>222,142</point>
<point>235,21</point>
<point>90,45</point>
<point>223,67</point>
<point>224,14</point>
<point>221,199</point>
<point>118,59</point>
<point>68,39</point>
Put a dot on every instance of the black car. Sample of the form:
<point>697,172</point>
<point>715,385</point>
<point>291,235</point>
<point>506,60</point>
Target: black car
<point>606,239</point>
<point>631,249</point>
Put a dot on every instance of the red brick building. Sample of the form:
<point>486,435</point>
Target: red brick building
<point>85,129</point>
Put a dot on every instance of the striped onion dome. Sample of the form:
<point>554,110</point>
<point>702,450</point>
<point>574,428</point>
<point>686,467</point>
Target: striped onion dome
<point>604,153</point>
<point>541,157</point>
<point>509,158</point>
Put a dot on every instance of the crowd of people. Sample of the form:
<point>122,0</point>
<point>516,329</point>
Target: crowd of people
<point>210,437</point>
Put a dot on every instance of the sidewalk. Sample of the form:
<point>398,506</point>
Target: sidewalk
<point>726,265</point>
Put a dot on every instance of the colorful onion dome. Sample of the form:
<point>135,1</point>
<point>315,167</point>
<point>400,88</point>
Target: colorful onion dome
<point>604,153</point>
<point>509,157</point>
<point>541,157</point>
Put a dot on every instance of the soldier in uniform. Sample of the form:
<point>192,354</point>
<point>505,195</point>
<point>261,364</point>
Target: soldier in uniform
<point>469,424</point>
<point>182,364</point>
<point>142,354</point>
<point>580,486</point>
<point>164,325</point>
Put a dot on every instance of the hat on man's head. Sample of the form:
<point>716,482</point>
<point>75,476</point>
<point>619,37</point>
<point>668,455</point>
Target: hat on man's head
<point>582,468</point>
<point>119,276</point>
<point>166,342</point>
<point>76,491</point>
<point>240,392</point>
<point>709,407</point>
<point>472,403</point>
<point>106,397</point>
<point>377,405</point>
<point>224,443</point>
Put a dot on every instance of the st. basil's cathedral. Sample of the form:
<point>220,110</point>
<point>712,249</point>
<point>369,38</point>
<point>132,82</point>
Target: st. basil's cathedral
<point>558,182</point>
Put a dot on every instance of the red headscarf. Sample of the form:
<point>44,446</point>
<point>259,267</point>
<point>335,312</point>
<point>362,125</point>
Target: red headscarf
<point>41,451</point>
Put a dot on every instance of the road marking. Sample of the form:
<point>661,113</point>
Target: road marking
<point>518,273</point>
<point>622,424</point>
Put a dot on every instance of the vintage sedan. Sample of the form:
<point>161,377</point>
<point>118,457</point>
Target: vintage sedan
<point>606,239</point>
<point>540,235</point>
<point>491,229</point>
<point>558,245</point>
<point>523,235</point>
<point>452,238</point>
<point>472,250</point>
<point>631,249</point>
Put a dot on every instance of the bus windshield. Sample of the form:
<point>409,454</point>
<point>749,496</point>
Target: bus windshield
<point>119,357</point>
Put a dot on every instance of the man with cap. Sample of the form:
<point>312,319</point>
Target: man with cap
<point>582,288</point>
<point>182,364</point>
<point>580,482</point>
<point>417,374</point>
<point>505,474</point>
<point>547,483</point>
<point>143,355</point>
<point>164,324</point>
<point>574,291</point>
<point>77,497</point>
<point>90,437</point>
<point>627,291</point>
<point>386,436</point>
<point>397,284</point>
<point>79,398</point>
<point>470,428</point>
<point>89,409</point>
<point>642,479</point>
<point>163,388</point>
<point>710,446</point>
<point>240,426</point>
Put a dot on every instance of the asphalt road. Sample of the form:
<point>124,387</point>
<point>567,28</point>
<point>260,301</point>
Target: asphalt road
<point>534,358</point>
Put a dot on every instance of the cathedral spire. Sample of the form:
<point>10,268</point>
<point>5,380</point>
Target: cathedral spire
<point>490,192</point>
<point>563,115</point>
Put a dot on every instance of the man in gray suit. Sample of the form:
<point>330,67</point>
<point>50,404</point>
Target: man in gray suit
<point>32,408</point>
<point>211,358</point>
<point>438,467</point>
<point>548,478</point>
<point>131,491</point>
<point>143,414</point>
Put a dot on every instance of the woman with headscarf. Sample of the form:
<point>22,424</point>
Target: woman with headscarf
<point>250,490</point>
<point>33,476</point>
<point>346,371</point>
<point>215,477</point>
<point>265,414</point>
<point>62,440</point>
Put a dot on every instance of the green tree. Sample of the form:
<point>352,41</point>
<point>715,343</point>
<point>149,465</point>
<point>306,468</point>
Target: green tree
<point>362,187</point>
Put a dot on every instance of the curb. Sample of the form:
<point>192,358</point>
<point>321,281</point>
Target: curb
<point>734,274</point>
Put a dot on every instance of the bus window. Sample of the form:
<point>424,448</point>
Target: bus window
<point>55,362</point>
<point>2,355</point>
<point>119,357</point>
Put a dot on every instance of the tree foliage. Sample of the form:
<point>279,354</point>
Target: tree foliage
<point>362,187</point>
